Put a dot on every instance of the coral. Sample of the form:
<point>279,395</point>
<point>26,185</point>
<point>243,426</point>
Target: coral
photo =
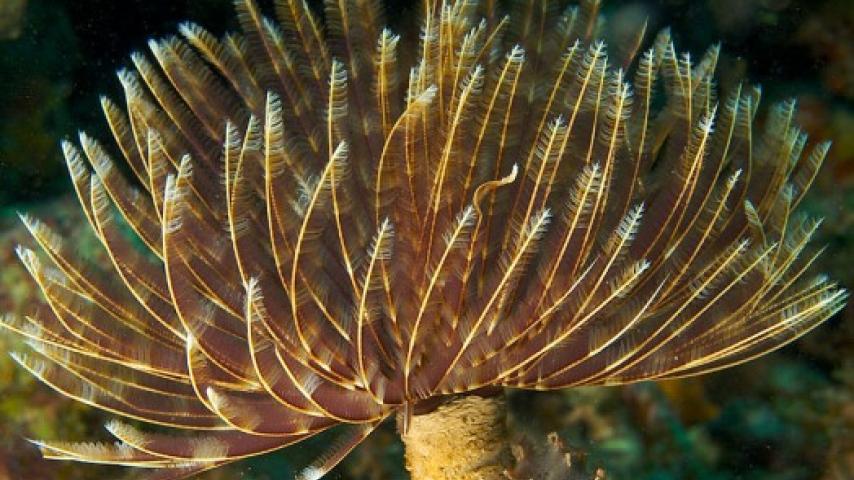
<point>840,422</point>
<point>546,460</point>
<point>325,227</point>
<point>34,102</point>
<point>827,31</point>
<point>11,18</point>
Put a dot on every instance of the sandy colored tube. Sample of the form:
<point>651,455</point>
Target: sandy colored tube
<point>464,439</point>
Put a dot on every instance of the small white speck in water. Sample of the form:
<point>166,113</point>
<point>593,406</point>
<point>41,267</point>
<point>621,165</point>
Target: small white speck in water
<point>310,473</point>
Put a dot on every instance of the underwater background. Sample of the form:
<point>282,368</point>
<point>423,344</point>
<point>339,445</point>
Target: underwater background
<point>786,416</point>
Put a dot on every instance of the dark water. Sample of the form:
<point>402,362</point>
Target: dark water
<point>787,416</point>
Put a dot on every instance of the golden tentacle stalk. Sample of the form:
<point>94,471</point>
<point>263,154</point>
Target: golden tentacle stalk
<point>329,225</point>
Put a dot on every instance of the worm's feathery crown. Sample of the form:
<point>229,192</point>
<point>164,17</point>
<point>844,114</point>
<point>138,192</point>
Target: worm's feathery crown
<point>335,222</point>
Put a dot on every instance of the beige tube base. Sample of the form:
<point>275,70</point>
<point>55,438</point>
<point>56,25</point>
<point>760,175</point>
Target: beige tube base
<point>464,439</point>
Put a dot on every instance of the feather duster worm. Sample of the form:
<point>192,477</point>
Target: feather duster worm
<point>331,226</point>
